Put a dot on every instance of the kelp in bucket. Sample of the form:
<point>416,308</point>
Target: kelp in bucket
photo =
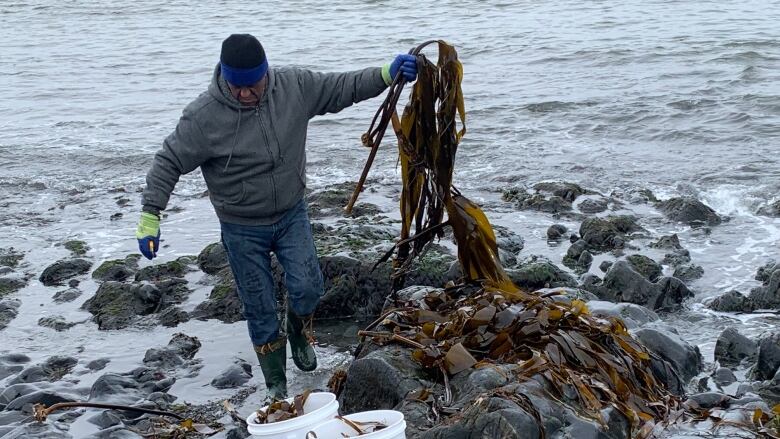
<point>588,363</point>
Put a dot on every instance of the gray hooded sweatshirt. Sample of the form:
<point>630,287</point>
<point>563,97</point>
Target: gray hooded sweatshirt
<point>253,158</point>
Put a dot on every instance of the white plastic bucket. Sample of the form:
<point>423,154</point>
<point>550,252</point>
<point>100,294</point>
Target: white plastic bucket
<point>396,426</point>
<point>319,407</point>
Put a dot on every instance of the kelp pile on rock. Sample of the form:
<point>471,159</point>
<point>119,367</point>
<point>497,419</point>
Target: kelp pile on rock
<point>585,359</point>
<point>590,365</point>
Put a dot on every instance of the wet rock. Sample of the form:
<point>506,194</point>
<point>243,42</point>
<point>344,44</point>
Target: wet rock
<point>689,210</point>
<point>181,347</point>
<point>98,364</point>
<point>57,323</point>
<point>645,266</point>
<point>11,282</point>
<point>60,271</point>
<point>342,277</point>
<point>351,288</point>
<point>566,294</point>
<point>237,433</point>
<point>688,272</point>
<point>223,303</point>
<point>584,262</point>
<point>636,195</point>
<point>78,248</point>
<point>166,271</point>
<point>632,314</point>
<point>129,388</point>
<point>10,257</point>
<point>539,272</point>
<point>116,305</point>
<point>683,357</point>
<point>53,369</point>
<point>711,400</point>
<point>412,292</point>
<point>767,296</point>
<point>68,295</point>
<point>593,205</point>
<point>732,301</point>
<point>770,209</point>
<point>564,190</point>
<point>574,252</point>
<point>391,372</point>
<point>105,419</point>
<point>500,417</point>
<point>605,265</point>
<point>213,258</point>
<point>331,202</point>
<point>603,234</point>
<point>37,430</point>
<point>768,360</point>
<point>47,397</point>
<point>353,237</point>
<point>670,242</point>
<point>590,282</point>
<point>490,418</point>
<point>115,432</point>
<point>522,199</point>
<point>723,376</point>
<point>732,348</point>
<point>764,273</point>
<point>15,391</point>
<point>556,232</point>
<point>673,292</point>
<point>117,269</point>
<point>9,309</point>
<point>508,240</point>
<point>624,284</point>
<point>234,376</point>
<point>172,317</point>
<point>510,244</point>
<point>677,258</point>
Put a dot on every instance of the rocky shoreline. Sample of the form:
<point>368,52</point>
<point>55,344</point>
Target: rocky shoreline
<point>742,376</point>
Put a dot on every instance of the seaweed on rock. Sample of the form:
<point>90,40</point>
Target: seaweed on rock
<point>589,363</point>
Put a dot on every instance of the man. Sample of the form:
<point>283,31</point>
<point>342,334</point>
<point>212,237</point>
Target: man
<point>247,134</point>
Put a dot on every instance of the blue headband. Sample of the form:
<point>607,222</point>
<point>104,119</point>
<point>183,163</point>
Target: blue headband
<point>243,77</point>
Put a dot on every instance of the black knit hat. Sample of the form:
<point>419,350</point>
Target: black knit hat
<point>243,59</point>
<point>242,51</point>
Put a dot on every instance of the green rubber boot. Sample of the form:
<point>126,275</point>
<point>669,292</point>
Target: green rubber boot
<point>300,332</point>
<point>273,362</point>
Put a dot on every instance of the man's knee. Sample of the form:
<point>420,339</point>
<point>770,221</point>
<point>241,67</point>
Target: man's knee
<point>304,296</point>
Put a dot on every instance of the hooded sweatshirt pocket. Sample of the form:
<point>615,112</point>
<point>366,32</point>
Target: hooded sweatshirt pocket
<point>256,198</point>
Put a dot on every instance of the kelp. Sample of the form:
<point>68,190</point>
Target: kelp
<point>427,143</point>
<point>484,320</point>
<point>282,410</point>
<point>588,363</point>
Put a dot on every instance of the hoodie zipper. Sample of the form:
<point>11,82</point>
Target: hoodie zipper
<point>268,147</point>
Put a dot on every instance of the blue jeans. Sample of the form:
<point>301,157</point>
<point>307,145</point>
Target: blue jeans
<point>249,253</point>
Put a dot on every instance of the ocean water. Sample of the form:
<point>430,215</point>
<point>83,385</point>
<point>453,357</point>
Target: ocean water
<point>676,97</point>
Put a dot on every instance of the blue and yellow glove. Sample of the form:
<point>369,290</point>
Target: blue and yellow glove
<point>405,64</point>
<point>148,234</point>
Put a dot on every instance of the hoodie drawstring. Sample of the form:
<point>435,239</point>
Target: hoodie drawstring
<point>235,139</point>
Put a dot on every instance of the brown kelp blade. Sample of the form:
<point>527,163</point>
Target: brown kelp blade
<point>427,146</point>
